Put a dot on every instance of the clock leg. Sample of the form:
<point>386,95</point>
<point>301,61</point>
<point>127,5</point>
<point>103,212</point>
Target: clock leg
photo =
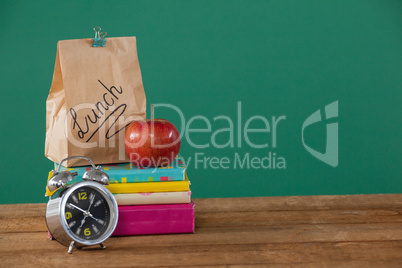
<point>102,245</point>
<point>70,248</point>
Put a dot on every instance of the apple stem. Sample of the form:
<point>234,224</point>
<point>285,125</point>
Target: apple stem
<point>152,112</point>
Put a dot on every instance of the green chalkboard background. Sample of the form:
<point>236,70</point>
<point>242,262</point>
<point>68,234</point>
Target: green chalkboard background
<point>278,58</point>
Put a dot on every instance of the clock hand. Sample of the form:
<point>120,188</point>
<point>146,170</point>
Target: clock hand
<point>86,213</point>
<point>92,217</point>
<point>90,204</point>
<point>74,206</point>
<point>83,220</point>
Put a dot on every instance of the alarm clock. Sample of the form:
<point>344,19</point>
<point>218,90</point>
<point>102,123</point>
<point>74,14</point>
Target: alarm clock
<point>82,213</point>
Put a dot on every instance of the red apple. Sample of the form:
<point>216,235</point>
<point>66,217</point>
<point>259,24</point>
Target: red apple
<point>152,143</point>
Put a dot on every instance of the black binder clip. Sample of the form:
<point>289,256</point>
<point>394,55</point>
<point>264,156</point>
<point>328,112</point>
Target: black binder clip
<point>99,40</point>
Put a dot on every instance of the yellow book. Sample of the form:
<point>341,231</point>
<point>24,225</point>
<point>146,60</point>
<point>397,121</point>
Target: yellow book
<point>150,187</point>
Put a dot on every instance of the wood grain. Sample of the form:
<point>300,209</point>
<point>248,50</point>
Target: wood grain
<point>312,231</point>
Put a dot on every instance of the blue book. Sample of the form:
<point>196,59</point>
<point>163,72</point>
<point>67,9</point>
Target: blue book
<point>128,173</point>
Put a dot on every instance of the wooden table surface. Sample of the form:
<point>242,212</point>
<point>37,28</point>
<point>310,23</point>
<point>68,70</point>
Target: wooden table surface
<point>314,231</point>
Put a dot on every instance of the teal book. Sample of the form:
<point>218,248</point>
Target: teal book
<point>128,173</point>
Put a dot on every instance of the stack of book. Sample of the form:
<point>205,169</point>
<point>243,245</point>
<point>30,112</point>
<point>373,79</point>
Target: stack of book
<point>150,200</point>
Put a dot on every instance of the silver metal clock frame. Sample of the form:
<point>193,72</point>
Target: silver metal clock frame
<point>57,224</point>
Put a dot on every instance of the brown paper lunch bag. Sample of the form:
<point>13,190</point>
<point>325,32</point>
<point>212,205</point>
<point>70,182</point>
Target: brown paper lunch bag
<point>95,93</point>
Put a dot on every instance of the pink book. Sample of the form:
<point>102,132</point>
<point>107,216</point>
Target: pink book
<point>155,219</point>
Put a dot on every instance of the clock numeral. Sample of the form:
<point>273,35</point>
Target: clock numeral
<point>68,215</point>
<point>82,195</point>
<point>87,232</point>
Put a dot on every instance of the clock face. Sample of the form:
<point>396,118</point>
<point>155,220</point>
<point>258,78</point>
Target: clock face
<point>87,213</point>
